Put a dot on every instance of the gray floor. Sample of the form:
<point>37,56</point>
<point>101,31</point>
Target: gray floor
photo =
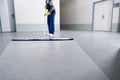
<point>47,60</point>
<point>102,47</point>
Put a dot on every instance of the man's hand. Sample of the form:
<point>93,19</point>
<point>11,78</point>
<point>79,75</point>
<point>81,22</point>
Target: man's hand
<point>47,14</point>
<point>45,7</point>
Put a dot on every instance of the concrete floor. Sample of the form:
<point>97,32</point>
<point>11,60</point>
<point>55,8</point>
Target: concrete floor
<point>102,47</point>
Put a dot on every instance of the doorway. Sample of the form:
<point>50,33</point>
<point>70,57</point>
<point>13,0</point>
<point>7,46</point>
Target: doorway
<point>12,15</point>
<point>102,15</point>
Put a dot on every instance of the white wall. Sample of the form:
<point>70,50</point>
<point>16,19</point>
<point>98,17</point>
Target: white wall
<point>84,11</point>
<point>68,12</point>
<point>116,13</point>
<point>30,14</point>
<point>116,17</point>
<point>79,14</point>
<point>76,12</point>
<point>5,22</point>
<point>0,18</point>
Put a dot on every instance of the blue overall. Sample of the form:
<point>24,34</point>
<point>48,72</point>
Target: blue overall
<point>51,20</point>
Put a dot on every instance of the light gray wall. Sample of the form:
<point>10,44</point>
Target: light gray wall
<point>119,13</point>
<point>0,25</point>
<point>0,18</point>
<point>5,21</point>
<point>116,17</point>
<point>77,14</point>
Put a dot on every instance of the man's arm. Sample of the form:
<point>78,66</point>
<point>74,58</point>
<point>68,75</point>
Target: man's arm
<point>52,8</point>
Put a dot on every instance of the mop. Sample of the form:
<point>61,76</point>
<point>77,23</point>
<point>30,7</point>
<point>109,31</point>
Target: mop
<point>44,33</point>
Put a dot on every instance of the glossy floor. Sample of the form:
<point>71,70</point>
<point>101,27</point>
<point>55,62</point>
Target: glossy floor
<point>102,47</point>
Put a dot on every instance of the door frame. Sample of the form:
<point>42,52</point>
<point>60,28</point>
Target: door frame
<point>13,6</point>
<point>14,15</point>
<point>93,14</point>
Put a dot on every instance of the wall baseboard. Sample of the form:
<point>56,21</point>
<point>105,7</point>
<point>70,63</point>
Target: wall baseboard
<point>34,27</point>
<point>76,26</point>
<point>87,27</point>
<point>116,27</point>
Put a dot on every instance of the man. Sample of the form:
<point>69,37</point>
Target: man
<point>50,17</point>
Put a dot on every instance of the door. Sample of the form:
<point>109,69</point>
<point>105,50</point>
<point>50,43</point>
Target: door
<point>103,15</point>
<point>12,15</point>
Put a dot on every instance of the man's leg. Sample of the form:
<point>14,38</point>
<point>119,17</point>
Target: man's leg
<point>53,23</point>
<point>48,22</point>
<point>50,26</point>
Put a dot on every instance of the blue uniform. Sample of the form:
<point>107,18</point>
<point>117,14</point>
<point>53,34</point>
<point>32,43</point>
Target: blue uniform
<point>51,19</point>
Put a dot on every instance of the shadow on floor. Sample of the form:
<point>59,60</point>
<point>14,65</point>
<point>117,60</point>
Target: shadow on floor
<point>115,67</point>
